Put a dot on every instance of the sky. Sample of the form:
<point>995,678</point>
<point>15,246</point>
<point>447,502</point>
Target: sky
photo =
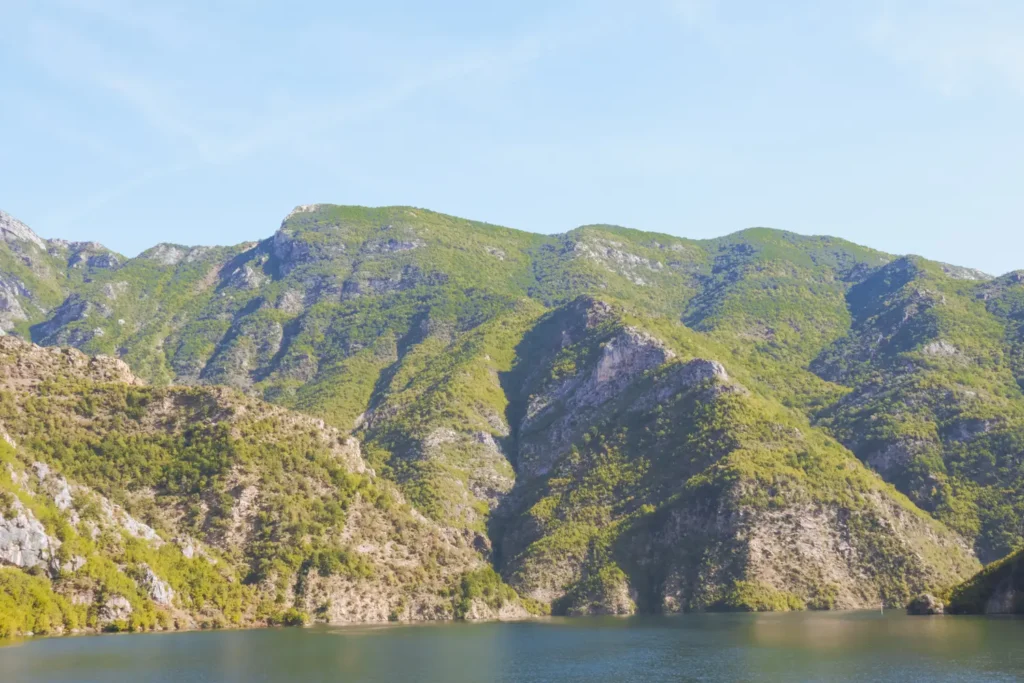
<point>898,124</point>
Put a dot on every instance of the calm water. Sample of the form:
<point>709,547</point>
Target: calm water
<point>801,647</point>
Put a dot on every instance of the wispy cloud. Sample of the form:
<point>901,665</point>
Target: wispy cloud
<point>83,63</point>
<point>34,112</point>
<point>171,111</point>
<point>485,64</point>
<point>958,45</point>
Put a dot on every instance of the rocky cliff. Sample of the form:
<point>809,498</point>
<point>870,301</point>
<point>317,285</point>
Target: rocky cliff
<point>664,484</point>
<point>997,589</point>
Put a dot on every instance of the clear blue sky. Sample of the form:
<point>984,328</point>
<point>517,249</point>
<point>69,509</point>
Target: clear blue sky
<point>897,124</point>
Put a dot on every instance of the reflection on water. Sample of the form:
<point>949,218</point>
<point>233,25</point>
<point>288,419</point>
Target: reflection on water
<point>853,646</point>
<point>843,630</point>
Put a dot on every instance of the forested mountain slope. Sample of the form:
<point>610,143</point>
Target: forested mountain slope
<point>124,506</point>
<point>615,418</point>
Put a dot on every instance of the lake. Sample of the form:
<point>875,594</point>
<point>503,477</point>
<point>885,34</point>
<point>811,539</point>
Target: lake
<point>810,646</point>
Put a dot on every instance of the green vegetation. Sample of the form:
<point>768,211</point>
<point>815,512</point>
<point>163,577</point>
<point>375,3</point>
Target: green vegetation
<point>248,507</point>
<point>290,617</point>
<point>751,596</point>
<point>484,585</point>
<point>995,589</point>
<point>473,362</point>
<point>28,605</point>
<point>703,445</point>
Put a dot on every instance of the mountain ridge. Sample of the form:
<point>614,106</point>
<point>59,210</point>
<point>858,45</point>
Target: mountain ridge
<point>617,420</point>
<point>6,217</point>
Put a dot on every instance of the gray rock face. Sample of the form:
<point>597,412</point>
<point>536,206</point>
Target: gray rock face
<point>86,254</point>
<point>408,278</point>
<point>13,230</point>
<point>165,254</point>
<point>612,256</point>
<point>303,208</point>
<point>700,370</point>
<point>24,542</point>
<point>103,261</point>
<point>116,608</point>
<point>245,277</point>
<point>683,377</point>
<point>74,309</point>
<point>196,253</point>
<point>11,310</point>
<point>116,515</point>
<point>925,604</point>
<point>568,406</point>
<point>158,589</point>
<point>623,359</point>
<point>961,273</point>
<point>509,611</point>
<point>187,546</point>
<point>489,476</point>
<point>57,488</point>
<point>290,301</point>
<point>290,250</point>
<point>940,348</point>
<point>113,290</point>
<point>391,245</point>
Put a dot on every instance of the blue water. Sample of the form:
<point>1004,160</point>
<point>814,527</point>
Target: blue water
<point>848,646</point>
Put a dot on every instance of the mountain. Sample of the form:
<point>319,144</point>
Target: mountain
<point>37,275</point>
<point>614,420</point>
<point>126,506</point>
<point>649,476</point>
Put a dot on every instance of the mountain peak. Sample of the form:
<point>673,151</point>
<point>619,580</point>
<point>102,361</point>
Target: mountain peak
<point>301,208</point>
<point>14,230</point>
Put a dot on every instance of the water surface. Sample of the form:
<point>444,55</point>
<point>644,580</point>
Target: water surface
<point>811,646</point>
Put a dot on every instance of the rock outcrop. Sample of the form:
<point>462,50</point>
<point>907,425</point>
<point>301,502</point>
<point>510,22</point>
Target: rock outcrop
<point>24,542</point>
<point>116,608</point>
<point>925,604</point>
<point>996,589</point>
<point>158,589</point>
<point>567,407</point>
<point>13,230</point>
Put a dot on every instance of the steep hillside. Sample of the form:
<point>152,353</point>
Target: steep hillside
<point>997,589</point>
<point>613,419</point>
<point>650,478</point>
<point>134,507</point>
<point>935,405</point>
<point>37,275</point>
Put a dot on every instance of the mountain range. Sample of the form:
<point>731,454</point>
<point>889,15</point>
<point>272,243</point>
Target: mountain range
<point>389,413</point>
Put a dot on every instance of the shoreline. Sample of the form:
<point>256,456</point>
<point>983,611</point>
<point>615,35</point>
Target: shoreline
<point>384,625</point>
